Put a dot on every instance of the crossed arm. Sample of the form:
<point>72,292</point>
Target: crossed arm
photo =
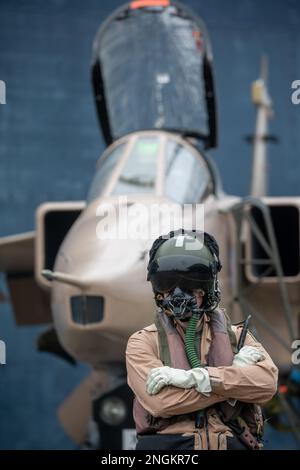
<point>254,383</point>
<point>141,358</point>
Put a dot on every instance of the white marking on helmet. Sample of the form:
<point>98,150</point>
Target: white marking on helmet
<point>179,241</point>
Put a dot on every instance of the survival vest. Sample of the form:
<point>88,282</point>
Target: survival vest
<point>221,353</point>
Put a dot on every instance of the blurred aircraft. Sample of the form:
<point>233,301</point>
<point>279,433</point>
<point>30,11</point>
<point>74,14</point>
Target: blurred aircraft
<point>152,75</point>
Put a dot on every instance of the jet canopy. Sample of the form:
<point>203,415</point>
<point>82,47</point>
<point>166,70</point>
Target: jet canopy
<point>152,69</point>
<point>155,163</point>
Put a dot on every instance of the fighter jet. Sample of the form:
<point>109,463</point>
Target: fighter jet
<point>152,76</point>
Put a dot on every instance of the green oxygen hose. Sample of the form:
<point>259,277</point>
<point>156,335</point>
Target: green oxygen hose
<point>189,342</point>
<point>190,349</point>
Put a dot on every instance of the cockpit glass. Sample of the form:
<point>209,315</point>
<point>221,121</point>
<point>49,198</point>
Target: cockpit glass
<point>152,71</point>
<point>187,178</point>
<point>104,169</point>
<point>139,172</point>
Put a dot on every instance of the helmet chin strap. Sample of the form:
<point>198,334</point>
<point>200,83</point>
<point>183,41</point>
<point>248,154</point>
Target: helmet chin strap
<point>181,304</point>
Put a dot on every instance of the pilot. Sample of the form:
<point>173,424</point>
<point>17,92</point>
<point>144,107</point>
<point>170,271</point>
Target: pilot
<point>194,390</point>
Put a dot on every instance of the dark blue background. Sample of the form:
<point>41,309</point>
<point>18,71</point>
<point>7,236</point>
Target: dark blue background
<point>49,143</point>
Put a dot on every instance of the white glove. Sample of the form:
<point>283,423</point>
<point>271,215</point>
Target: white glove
<point>162,376</point>
<point>247,356</point>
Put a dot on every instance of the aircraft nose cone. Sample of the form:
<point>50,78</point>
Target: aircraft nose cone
<point>114,275</point>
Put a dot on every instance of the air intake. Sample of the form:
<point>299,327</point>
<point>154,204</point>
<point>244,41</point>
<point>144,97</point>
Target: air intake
<point>285,220</point>
<point>87,309</point>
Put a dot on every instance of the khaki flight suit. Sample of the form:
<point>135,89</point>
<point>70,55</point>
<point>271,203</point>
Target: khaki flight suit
<point>251,384</point>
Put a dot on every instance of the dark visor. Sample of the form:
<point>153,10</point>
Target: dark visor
<point>187,272</point>
<point>164,282</point>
